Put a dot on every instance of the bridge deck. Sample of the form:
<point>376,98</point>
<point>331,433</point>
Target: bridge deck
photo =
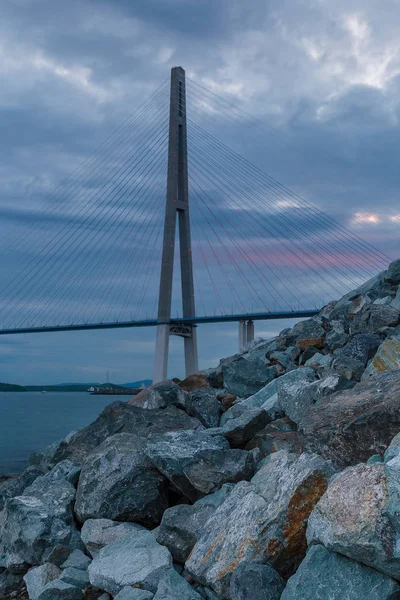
<point>153,322</point>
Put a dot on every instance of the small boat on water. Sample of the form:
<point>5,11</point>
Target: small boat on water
<point>44,392</point>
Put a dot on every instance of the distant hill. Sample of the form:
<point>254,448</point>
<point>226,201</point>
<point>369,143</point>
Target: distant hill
<point>70,387</point>
<point>10,387</point>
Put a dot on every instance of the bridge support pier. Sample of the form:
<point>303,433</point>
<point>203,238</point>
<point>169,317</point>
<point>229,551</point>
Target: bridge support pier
<point>242,336</point>
<point>249,332</point>
<point>246,334</point>
<point>176,210</point>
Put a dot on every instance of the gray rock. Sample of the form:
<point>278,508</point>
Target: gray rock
<point>261,521</point>
<point>393,450</point>
<point>330,576</point>
<point>76,577</point>
<point>203,404</point>
<point>15,487</point>
<point>338,336</point>
<point>65,470</point>
<point>182,525</point>
<point>375,459</point>
<point>78,560</point>
<point>130,593</point>
<point>159,395</point>
<point>135,559</point>
<point>297,397</point>
<point>97,533</point>
<point>353,518</point>
<point>361,347</point>
<point>234,411</point>
<point>36,578</point>
<point>349,426</point>
<point>172,586</point>
<point>240,430</point>
<point>384,300</point>
<point>105,597</point>
<point>119,482</point>
<point>198,463</point>
<point>319,360</point>
<point>373,317</point>
<point>348,368</point>
<point>252,581</point>
<point>34,524</point>
<point>267,397</point>
<point>10,583</point>
<point>59,590</point>
<point>120,417</point>
<point>246,377</point>
<point>393,273</point>
<point>395,302</point>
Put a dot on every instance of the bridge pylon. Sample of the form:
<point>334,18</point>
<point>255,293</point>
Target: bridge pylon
<point>176,210</point>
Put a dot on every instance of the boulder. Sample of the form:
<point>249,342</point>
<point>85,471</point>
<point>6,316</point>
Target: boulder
<point>182,525</point>
<point>267,398</point>
<point>268,441</point>
<point>297,396</point>
<point>59,590</point>
<point>393,273</point>
<point>373,317</point>
<point>197,463</point>
<point>194,382</point>
<point>252,581</point>
<point>261,521</point>
<point>202,403</point>
<point>76,577</point>
<point>387,358</point>
<point>35,579</point>
<point>351,360</point>
<point>240,430</point>
<point>97,533</point>
<point>245,377</point>
<point>120,417</point>
<point>349,426</point>
<point>15,486</point>
<point>78,560</point>
<point>325,574</point>
<point>130,593</point>
<point>39,521</point>
<point>393,449</point>
<point>395,302</point>
<point>119,482</point>
<point>353,518</point>
<point>135,560</point>
<point>172,586</point>
<point>159,395</point>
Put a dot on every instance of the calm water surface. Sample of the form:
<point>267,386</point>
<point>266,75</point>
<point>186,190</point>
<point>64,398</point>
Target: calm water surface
<point>30,421</point>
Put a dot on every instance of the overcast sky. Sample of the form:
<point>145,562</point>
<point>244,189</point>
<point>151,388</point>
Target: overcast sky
<point>323,77</point>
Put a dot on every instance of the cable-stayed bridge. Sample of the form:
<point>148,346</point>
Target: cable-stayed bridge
<point>113,244</point>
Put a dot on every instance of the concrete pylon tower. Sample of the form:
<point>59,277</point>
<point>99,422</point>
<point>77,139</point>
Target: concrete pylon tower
<point>177,209</point>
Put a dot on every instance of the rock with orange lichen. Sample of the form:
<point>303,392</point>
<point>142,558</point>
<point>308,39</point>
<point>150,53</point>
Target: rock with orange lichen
<point>263,521</point>
<point>357,516</point>
<point>387,358</point>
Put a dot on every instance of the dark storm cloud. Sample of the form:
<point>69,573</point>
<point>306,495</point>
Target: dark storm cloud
<point>324,78</point>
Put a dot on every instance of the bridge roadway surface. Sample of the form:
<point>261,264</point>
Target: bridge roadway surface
<point>269,316</point>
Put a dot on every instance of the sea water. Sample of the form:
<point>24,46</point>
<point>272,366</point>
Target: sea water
<point>29,421</point>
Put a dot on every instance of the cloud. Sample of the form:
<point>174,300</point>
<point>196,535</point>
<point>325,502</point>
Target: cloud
<point>324,78</point>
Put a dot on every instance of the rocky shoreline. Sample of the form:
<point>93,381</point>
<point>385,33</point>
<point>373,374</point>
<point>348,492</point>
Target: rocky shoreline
<point>274,475</point>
